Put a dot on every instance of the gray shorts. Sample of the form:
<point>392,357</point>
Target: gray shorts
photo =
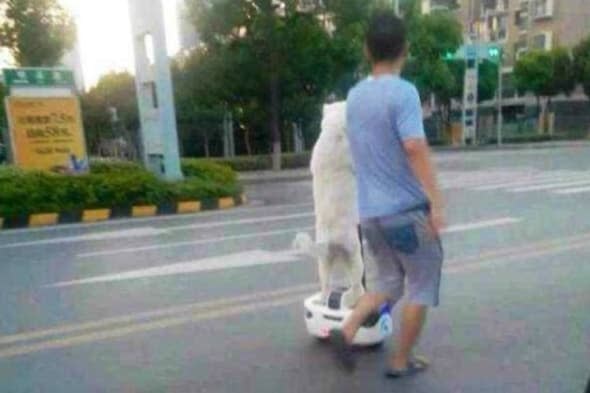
<point>402,247</point>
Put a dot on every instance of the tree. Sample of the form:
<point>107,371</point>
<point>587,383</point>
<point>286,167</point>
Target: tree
<point>582,64</point>
<point>564,77</point>
<point>37,32</point>
<point>277,59</point>
<point>115,90</point>
<point>431,36</point>
<point>533,73</point>
<point>198,94</point>
<point>545,74</point>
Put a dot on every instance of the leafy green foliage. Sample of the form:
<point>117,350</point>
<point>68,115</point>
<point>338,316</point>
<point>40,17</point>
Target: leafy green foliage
<point>208,171</point>
<point>270,63</point>
<point>431,36</point>
<point>111,184</point>
<point>259,162</point>
<point>37,32</point>
<point>582,64</point>
<point>545,73</point>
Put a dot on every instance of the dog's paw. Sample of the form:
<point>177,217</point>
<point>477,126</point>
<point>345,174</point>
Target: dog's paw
<point>303,243</point>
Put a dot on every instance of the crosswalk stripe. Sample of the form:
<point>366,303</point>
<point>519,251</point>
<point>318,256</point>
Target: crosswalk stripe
<point>529,181</point>
<point>550,186</point>
<point>571,191</point>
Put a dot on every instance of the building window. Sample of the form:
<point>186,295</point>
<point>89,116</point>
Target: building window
<point>543,8</point>
<point>542,41</point>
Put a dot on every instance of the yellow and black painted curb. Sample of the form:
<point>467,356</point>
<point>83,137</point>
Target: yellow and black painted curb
<point>98,215</point>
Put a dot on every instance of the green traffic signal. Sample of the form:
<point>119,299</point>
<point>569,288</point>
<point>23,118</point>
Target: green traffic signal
<point>494,52</point>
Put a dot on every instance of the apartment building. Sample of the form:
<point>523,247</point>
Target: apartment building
<point>429,6</point>
<point>521,25</point>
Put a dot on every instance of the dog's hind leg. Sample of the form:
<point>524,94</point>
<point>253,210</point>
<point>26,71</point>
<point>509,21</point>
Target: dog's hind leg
<point>324,270</point>
<point>355,276</point>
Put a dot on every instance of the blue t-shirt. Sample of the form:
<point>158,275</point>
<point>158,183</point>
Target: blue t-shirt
<point>382,112</point>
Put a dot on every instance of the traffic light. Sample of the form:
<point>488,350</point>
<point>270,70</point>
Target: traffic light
<point>494,52</point>
<point>449,55</point>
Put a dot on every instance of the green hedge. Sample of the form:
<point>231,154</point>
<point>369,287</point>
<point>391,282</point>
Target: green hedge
<point>111,184</point>
<point>208,171</point>
<point>258,163</point>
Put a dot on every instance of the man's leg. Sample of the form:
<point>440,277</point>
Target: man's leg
<point>422,264</point>
<point>342,339</point>
<point>413,318</point>
<point>368,304</point>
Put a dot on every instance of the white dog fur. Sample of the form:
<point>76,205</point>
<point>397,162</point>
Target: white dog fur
<point>335,200</point>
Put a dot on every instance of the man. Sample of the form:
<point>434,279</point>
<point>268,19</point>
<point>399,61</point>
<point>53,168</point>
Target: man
<point>399,202</point>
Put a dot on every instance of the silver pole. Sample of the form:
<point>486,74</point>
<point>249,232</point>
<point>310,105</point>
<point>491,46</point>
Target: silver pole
<point>396,6</point>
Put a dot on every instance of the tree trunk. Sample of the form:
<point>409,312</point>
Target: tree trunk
<point>275,121</point>
<point>247,142</point>
<point>539,119</point>
<point>206,144</point>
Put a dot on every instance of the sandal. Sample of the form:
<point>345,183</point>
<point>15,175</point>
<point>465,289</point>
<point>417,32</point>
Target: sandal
<point>343,351</point>
<point>415,366</point>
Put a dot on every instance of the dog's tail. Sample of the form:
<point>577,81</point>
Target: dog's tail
<point>304,243</point>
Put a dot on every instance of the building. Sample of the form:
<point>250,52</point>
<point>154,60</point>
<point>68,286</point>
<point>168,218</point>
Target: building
<point>429,6</point>
<point>521,25</point>
<point>188,36</point>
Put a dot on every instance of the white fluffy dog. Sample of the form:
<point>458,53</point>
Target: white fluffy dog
<point>335,199</point>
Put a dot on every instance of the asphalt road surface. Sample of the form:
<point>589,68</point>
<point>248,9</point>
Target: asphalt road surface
<point>213,302</point>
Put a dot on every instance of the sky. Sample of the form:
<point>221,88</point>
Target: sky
<point>104,35</point>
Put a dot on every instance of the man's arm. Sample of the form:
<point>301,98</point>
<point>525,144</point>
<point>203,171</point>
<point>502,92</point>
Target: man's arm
<point>419,157</point>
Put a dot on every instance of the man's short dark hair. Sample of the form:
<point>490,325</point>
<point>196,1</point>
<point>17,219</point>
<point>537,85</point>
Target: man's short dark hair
<point>386,36</point>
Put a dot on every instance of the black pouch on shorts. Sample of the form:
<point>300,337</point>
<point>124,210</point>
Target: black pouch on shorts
<point>403,238</point>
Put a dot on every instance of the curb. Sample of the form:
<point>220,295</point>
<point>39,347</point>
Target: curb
<point>137,211</point>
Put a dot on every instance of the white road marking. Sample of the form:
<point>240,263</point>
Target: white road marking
<point>257,220</point>
<point>243,259</point>
<point>457,179</point>
<point>482,224</point>
<point>149,326</point>
<point>240,260</point>
<point>570,191</point>
<point>150,231</point>
<point>161,313</point>
<point>123,234</point>
<point>225,308</point>
<point>149,220</point>
<point>550,186</point>
<point>530,181</point>
<point>195,242</point>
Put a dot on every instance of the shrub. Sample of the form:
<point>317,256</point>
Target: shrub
<point>110,185</point>
<point>196,188</point>
<point>260,163</point>
<point>208,170</point>
<point>114,166</point>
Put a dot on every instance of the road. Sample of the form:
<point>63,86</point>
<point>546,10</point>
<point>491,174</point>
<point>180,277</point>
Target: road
<point>213,302</point>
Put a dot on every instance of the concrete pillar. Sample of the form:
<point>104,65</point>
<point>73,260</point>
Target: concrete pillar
<point>154,89</point>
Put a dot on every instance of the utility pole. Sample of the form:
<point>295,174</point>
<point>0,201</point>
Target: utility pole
<point>396,7</point>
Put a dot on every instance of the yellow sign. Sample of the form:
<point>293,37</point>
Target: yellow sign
<point>47,134</point>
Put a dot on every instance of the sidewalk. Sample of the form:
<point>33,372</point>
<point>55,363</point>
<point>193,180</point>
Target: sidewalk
<point>303,174</point>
